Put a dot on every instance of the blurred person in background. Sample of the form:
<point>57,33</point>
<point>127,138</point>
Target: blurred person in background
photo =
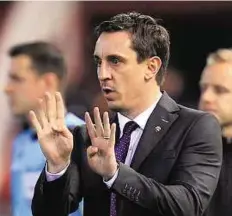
<point>174,83</point>
<point>35,68</point>
<point>216,98</point>
<point>158,158</point>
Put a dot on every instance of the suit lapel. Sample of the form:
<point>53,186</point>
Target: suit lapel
<point>157,126</point>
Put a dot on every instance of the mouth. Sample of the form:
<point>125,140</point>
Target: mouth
<point>209,109</point>
<point>109,93</point>
<point>107,90</point>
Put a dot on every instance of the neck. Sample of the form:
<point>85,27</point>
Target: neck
<point>141,105</point>
<point>227,131</point>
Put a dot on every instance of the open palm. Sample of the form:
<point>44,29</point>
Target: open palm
<point>101,156</point>
<point>56,141</point>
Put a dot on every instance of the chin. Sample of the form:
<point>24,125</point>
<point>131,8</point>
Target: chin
<point>215,115</point>
<point>219,119</point>
<point>114,106</point>
<point>212,112</point>
<point>16,112</point>
<point>19,115</point>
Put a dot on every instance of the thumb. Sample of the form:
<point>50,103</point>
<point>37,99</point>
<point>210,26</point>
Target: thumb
<point>91,151</point>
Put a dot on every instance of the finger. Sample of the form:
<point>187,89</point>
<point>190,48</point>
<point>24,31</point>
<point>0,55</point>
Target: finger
<point>34,121</point>
<point>112,135</point>
<point>106,124</point>
<point>98,122</point>
<point>50,107</point>
<point>90,126</point>
<point>60,109</point>
<point>42,118</point>
<point>91,151</point>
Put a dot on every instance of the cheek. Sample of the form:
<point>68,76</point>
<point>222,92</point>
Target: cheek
<point>26,99</point>
<point>133,78</point>
<point>127,79</point>
<point>32,92</point>
<point>224,104</point>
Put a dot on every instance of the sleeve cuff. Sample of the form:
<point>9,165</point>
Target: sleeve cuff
<point>53,176</point>
<point>112,180</point>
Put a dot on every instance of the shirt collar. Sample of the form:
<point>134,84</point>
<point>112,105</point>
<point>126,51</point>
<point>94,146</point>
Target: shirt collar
<point>141,119</point>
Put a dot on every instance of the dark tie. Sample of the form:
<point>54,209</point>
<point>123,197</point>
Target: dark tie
<point>121,149</point>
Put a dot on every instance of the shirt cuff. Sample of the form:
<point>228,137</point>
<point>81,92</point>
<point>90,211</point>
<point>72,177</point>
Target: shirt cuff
<point>112,180</point>
<point>53,176</point>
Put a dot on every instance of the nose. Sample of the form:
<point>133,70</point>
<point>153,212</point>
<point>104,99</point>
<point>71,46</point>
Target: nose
<point>207,96</point>
<point>104,72</point>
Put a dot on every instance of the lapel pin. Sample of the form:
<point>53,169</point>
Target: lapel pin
<point>157,128</point>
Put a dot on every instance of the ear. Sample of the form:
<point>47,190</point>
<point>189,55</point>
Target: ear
<point>154,63</point>
<point>51,81</point>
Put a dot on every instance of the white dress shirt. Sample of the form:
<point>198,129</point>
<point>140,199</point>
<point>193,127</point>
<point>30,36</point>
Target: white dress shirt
<point>141,120</point>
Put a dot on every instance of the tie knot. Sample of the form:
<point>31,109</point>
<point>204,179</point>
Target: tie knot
<point>130,127</point>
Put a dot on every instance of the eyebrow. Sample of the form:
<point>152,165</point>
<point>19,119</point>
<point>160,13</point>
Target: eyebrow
<point>13,76</point>
<point>96,57</point>
<point>213,85</point>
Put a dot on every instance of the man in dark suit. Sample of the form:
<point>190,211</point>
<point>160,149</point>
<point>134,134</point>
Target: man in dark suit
<point>156,158</point>
<point>216,98</point>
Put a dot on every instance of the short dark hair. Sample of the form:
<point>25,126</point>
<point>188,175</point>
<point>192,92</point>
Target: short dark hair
<point>148,37</point>
<point>45,57</point>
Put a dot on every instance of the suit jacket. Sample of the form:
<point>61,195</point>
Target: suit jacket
<point>221,203</point>
<point>174,171</point>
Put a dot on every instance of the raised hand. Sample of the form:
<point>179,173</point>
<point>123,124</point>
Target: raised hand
<point>101,156</point>
<point>56,141</point>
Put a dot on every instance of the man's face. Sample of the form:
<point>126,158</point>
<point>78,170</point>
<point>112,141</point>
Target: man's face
<point>216,91</point>
<point>24,86</point>
<point>121,76</point>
